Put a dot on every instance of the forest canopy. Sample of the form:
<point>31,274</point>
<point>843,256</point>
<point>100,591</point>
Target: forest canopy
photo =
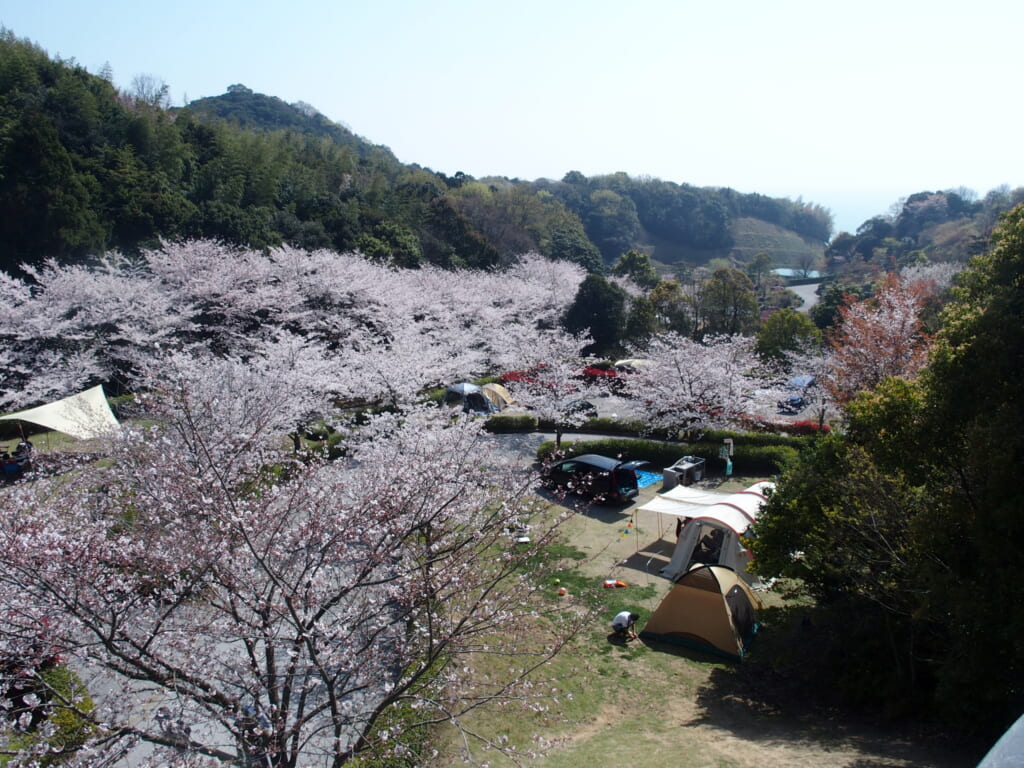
<point>86,168</point>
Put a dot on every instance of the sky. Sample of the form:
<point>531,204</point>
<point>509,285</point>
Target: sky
<point>851,106</point>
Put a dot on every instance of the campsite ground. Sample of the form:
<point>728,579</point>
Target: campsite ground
<point>603,703</point>
<point>609,703</point>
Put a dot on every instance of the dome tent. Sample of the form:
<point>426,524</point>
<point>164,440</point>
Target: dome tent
<point>500,397</point>
<point>709,608</point>
<point>470,397</point>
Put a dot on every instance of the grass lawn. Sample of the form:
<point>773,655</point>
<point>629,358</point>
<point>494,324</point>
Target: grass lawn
<point>603,702</point>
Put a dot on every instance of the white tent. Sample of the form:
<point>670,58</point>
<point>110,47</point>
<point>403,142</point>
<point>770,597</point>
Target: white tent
<point>84,415</point>
<point>716,523</point>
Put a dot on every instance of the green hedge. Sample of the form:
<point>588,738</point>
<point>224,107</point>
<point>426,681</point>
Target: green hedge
<point>748,459</point>
<point>511,422</point>
<point>753,438</point>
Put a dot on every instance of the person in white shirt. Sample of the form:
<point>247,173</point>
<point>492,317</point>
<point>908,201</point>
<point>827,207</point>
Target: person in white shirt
<point>623,625</point>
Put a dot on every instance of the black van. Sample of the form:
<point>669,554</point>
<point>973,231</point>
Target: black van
<point>596,476</point>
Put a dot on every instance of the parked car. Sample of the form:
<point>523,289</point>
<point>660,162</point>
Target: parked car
<point>599,477</point>
<point>583,407</point>
<point>792,404</point>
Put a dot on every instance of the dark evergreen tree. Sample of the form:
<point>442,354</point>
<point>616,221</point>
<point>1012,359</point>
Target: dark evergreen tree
<point>903,528</point>
<point>600,310</point>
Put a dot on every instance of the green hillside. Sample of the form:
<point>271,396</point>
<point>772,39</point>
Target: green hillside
<point>85,169</point>
<point>787,249</point>
<point>749,237</point>
<point>249,110</point>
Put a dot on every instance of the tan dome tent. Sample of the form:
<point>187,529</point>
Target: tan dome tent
<point>85,415</point>
<point>500,397</point>
<point>710,608</point>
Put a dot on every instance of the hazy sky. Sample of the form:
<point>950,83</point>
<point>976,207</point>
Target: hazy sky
<point>851,105</point>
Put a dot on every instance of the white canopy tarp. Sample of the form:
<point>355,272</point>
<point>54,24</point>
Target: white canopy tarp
<point>665,506</point>
<point>687,494</point>
<point>736,510</point>
<point>730,513</point>
<point>85,415</point>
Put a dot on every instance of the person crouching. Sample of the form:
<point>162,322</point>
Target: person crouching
<point>623,625</point>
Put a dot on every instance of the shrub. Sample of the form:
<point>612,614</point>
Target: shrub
<point>807,427</point>
<point>750,438</point>
<point>68,730</point>
<point>511,422</point>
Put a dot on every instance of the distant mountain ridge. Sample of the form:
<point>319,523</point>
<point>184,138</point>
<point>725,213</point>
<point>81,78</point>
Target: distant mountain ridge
<point>85,169</point>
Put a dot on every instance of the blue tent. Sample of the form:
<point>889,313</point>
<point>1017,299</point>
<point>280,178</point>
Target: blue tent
<point>800,382</point>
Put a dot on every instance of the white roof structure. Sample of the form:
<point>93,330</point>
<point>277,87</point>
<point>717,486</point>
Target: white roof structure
<point>85,415</point>
<point>736,510</point>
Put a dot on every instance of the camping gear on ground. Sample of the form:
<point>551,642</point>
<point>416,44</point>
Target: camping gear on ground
<point>709,608</point>
<point>632,364</point>
<point>800,382</point>
<point>717,521</point>
<point>12,469</point>
<point>685,471</point>
<point>792,404</point>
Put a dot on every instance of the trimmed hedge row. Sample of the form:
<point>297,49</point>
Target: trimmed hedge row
<point>525,422</point>
<point>511,422</point>
<point>747,458</point>
<point>753,438</point>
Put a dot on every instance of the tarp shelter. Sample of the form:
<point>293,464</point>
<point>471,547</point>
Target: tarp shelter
<point>800,382</point>
<point>715,522</point>
<point>85,415</point>
<point>500,397</point>
<point>470,397</point>
<point>709,608</point>
<point>632,364</point>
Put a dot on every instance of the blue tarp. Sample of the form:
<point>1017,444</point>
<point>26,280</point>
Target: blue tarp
<point>643,479</point>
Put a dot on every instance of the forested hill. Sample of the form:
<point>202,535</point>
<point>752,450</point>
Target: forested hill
<point>256,111</point>
<point>85,168</point>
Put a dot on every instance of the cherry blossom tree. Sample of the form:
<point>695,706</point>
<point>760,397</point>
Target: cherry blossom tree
<point>69,326</point>
<point>815,362</point>
<point>552,384</point>
<point>877,338</point>
<point>227,602</point>
<point>690,385</point>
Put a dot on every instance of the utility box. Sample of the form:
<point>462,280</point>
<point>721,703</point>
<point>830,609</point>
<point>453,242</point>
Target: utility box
<point>686,471</point>
<point>693,470</point>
